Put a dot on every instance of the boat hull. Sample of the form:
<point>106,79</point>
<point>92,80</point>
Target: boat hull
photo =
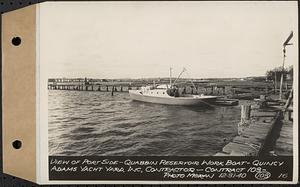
<point>185,101</point>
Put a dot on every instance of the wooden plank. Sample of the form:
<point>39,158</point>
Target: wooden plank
<point>239,148</point>
<point>221,154</point>
<point>264,119</point>
<point>257,131</point>
<point>244,140</point>
<point>254,135</point>
<point>263,114</point>
<point>237,153</point>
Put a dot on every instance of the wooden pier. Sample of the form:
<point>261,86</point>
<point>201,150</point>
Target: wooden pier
<point>263,130</point>
<point>284,143</point>
<point>91,87</point>
<point>230,90</point>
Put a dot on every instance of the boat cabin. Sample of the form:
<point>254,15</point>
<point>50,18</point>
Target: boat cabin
<point>160,91</point>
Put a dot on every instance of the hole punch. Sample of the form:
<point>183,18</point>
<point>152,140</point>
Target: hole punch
<point>16,41</point>
<point>17,144</point>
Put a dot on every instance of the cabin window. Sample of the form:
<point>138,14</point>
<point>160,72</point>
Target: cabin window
<point>163,92</point>
<point>151,92</point>
<point>157,92</point>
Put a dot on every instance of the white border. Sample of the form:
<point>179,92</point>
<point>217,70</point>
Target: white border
<point>37,76</point>
<point>42,111</point>
<point>295,112</point>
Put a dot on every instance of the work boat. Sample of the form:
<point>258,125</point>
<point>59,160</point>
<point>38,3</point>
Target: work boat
<point>164,94</point>
<point>170,94</point>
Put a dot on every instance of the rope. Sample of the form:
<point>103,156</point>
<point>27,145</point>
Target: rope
<point>253,146</point>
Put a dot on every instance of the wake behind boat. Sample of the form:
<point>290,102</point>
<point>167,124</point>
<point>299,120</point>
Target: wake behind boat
<point>170,94</point>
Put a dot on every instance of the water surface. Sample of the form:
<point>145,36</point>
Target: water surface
<point>96,123</point>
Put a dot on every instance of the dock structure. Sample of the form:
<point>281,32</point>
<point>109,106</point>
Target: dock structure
<point>263,130</point>
<point>284,143</point>
<point>230,90</point>
<point>252,140</point>
<point>91,87</point>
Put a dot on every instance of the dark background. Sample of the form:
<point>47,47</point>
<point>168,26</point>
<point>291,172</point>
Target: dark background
<point>10,181</point>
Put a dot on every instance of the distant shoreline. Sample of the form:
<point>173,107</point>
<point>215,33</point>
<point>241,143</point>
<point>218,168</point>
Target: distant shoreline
<point>158,78</point>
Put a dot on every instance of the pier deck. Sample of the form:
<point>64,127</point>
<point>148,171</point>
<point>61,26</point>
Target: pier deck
<point>268,132</point>
<point>252,140</point>
<point>284,144</point>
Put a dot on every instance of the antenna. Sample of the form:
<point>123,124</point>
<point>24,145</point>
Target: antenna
<point>288,39</point>
<point>170,77</point>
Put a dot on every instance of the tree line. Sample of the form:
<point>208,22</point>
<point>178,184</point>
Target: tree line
<point>276,72</point>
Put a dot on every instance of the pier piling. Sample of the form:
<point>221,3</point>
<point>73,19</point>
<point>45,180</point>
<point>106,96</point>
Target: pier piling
<point>112,91</point>
<point>245,118</point>
<point>245,112</point>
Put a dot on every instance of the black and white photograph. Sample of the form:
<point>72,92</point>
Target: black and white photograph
<point>169,78</point>
<point>150,92</point>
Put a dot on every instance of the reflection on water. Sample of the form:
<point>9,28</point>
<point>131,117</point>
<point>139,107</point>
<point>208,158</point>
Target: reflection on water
<point>96,123</point>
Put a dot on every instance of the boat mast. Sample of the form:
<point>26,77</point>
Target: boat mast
<point>170,77</point>
<point>180,75</point>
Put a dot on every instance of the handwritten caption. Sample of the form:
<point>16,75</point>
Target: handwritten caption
<point>167,169</point>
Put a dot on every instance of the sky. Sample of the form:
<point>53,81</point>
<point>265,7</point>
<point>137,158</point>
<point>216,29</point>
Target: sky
<point>144,39</point>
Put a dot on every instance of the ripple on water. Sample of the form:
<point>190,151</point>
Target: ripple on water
<point>95,123</point>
